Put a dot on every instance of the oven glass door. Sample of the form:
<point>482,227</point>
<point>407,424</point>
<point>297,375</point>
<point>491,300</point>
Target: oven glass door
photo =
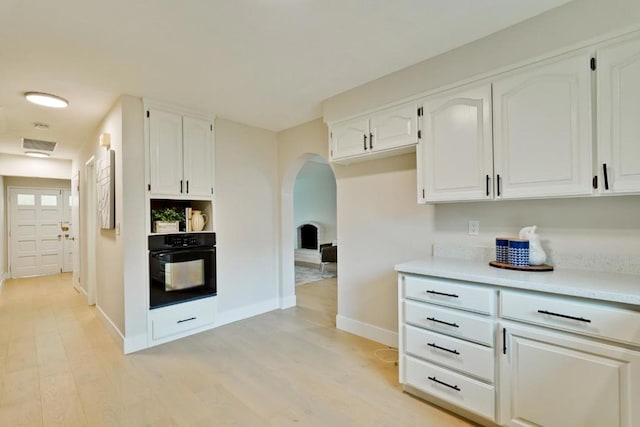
<point>181,275</point>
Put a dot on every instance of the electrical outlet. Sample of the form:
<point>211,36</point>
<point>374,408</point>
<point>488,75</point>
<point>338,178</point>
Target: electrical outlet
<point>474,227</point>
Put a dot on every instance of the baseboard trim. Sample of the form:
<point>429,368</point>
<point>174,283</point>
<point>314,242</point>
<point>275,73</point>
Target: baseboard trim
<point>366,330</point>
<point>112,328</point>
<point>288,302</point>
<point>230,316</point>
<point>3,277</point>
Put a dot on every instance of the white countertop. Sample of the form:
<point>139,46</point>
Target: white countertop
<point>613,287</point>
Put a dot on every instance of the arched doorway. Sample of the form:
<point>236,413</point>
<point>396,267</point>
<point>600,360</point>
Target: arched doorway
<point>292,223</point>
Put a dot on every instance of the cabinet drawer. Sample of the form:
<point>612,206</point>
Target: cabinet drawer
<point>465,392</point>
<point>180,318</point>
<point>461,355</point>
<point>583,317</point>
<point>450,322</point>
<point>450,293</point>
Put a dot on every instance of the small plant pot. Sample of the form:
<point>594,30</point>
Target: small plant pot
<point>166,227</point>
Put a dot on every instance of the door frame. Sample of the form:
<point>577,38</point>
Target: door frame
<point>90,214</point>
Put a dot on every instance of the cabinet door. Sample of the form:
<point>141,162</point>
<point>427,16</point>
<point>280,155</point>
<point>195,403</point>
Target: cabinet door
<point>618,76</point>
<point>456,157</point>
<point>350,138</point>
<point>198,159</point>
<point>542,132</point>
<point>555,380</point>
<point>394,128</point>
<point>165,152</point>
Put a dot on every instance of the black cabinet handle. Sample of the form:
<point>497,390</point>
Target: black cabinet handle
<point>442,293</point>
<point>606,176</point>
<point>498,179</point>
<point>181,186</point>
<point>488,184</point>
<point>371,141</point>
<point>187,186</point>
<point>186,320</point>
<point>434,379</point>
<point>433,319</point>
<point>581,319</point>
<point>434,345</point>
<point>594,182</point>
<point>365,141</point>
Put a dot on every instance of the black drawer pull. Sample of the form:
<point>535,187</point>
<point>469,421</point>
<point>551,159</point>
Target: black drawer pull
<point>442,293</point>
<point>371,141</point>
<point>433,319</point>
<point>434,345</point>
<point>434,379</point>
<point>365,141</point>
<point>186,320</point>
<point>488,185</point>
<point>606,176</point>
<point>581,319</point>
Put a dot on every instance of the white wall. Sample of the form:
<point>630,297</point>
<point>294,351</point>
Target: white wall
<point>314,198</point>
<point>379,221</point>
<point>246,218</point>
<point>3,231</point>
<point>13,165</point>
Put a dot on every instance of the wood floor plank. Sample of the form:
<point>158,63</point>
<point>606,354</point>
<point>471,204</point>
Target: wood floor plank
<point>59,366</point>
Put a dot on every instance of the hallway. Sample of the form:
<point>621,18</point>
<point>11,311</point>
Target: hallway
<point>59,365</point>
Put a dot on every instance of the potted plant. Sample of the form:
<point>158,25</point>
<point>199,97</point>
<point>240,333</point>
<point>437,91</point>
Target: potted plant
<point>166,220</point>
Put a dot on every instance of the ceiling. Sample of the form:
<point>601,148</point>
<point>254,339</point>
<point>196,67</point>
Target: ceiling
<point>265,63</point>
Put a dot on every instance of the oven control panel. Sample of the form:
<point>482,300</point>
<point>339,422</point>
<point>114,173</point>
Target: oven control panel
<point>183,240</point>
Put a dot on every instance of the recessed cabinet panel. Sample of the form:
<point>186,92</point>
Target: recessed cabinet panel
<point>165,150</point>
<point>394,128</point>
<point>542,130</point>
<point>618,86</point>
<point>553,380</point>
<point>350,138</point>
<point>456,153</point>
<point>197,157</point>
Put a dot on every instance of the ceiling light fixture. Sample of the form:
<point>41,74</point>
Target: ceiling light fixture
<point>46,100</point>
<point>42,126</point>
<point>36,154</point>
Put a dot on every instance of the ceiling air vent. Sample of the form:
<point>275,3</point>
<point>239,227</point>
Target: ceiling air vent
<point>38,145</point>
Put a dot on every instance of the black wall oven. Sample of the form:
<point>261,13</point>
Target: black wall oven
<point>182,267</point>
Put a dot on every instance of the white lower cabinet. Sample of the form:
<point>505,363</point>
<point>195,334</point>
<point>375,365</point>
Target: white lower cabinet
<point>557,380</point>
<point>175,321</point>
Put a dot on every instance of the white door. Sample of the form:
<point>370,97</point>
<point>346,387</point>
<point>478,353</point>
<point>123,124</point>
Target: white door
<point>350,138</point>
<point>66,226</point>
<point>393,128</point>
<point>75,225</point>
<point>455,159</point>
<point>35,232</point>
<point>198,159</point>
<point>165,153</point>
<point>555,380</point>
<point>542,130</point>
<point>618,74</point>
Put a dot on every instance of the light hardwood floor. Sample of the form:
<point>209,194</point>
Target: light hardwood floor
<point>59,365</point>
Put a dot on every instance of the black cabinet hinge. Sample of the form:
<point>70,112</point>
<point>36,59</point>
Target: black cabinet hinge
<point>419,134</point>
<point>594,182</point>
<point>504,340</point>
<point>593,63</point>
<point>211,128</point>
<point>149,187</point>
<point>211,190</point>
<point>423,196</point>
<point>147,113</point>
<point>420,112</point>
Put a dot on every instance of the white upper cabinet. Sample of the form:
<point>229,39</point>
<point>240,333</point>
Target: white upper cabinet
<point>618,100</point>
<point>388,132</point>
<point>455,153</point>
<point>180,155</point>
<point>350,138</point>
<point>197,152</point>
<point>542,130</point>
<point>165,152</point>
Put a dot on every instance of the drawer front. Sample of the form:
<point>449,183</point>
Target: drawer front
<point>451,322</point>
<point>450,293</point>
<point>462,391</point>
<point>180,318</point>
<point>461,355</point>
<point>582,317</point>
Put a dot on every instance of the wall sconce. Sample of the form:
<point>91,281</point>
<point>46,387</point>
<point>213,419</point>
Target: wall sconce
<point>105,140</point>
